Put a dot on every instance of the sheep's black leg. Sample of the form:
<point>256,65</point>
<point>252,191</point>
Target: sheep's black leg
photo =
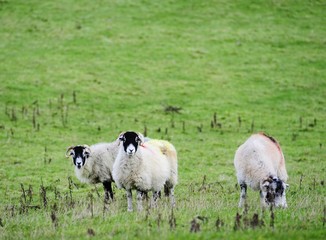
<point>166,190</point>
<point>145,196</point>
<point>154,198</point>
<point>140,196</point>
<point>169,192</point>
<point>243,193</point>
<point>156,195</point>
<point>108,190</point>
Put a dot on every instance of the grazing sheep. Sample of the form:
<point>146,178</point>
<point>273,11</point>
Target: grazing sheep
<point>259,163</point>
<point>94,164</point>
<point>141,166</point>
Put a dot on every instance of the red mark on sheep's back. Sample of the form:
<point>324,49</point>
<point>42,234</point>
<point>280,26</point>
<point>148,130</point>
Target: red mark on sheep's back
<point>148,148</point>
<point>274,141</point>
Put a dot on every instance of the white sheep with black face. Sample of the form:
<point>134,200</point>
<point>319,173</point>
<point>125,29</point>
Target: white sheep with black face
<point>94,164</point>
<point>259,163</point>
<point>142,167</point>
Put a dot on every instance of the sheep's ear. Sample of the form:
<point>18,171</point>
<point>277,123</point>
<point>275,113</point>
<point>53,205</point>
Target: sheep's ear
<point>265,185</point>
<point>121,137</point>
<point>140,139</point>
<point>87,150</point>
<point>70,151</point>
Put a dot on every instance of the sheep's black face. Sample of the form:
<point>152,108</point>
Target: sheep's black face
<point>79,155</point>
<point>273,191</point>
<point>130,140</point>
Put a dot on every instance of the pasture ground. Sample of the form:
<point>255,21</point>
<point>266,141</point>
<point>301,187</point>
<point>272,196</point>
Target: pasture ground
<point>201,74</point>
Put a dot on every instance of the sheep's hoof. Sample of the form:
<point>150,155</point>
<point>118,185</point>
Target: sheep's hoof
<point>130,210</point>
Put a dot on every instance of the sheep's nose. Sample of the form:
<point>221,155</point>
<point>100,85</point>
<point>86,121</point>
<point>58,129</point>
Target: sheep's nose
<point>131,150</point>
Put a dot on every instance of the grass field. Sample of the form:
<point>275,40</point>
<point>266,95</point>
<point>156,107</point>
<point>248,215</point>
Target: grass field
<point>80,72</point>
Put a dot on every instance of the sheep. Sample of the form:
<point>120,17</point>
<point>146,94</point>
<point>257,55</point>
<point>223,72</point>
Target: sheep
<point>143,167</point>
<point>93,164</point>
<point>259,163</point>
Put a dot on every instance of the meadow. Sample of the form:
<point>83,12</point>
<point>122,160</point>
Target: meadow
<point>204,75</point>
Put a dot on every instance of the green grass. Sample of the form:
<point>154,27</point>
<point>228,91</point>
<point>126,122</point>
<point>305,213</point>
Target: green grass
<point>75,72</point>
